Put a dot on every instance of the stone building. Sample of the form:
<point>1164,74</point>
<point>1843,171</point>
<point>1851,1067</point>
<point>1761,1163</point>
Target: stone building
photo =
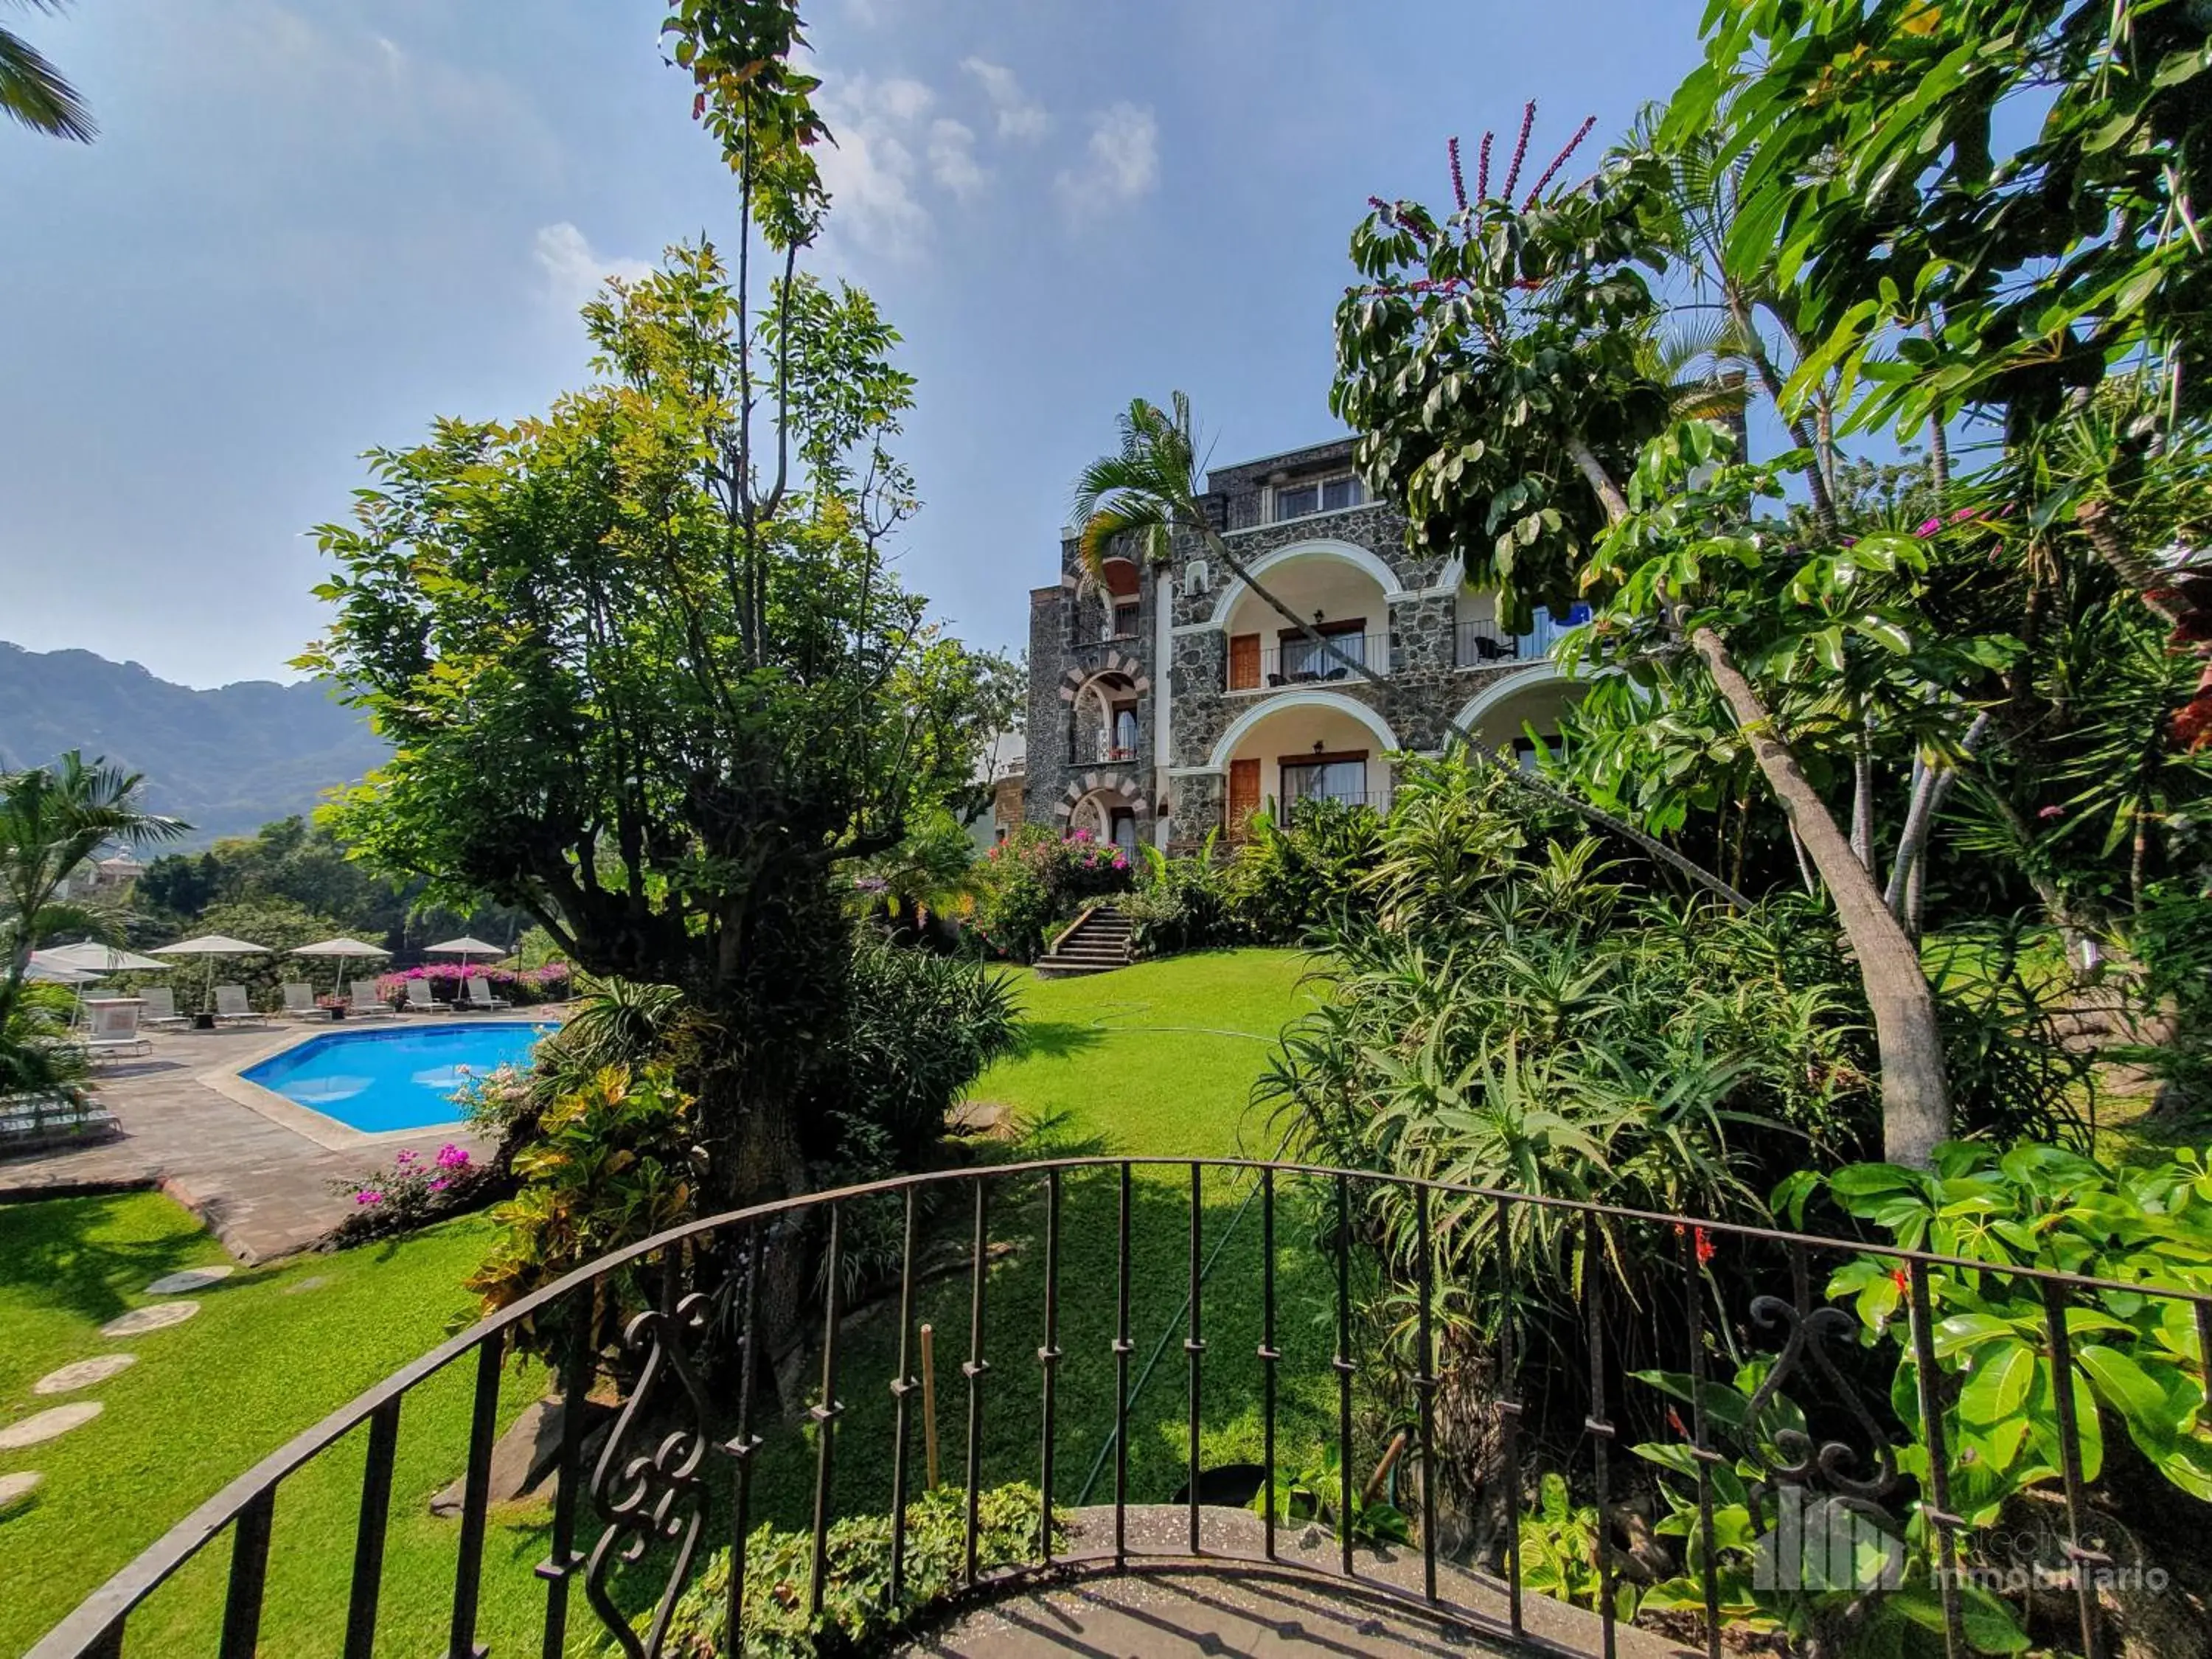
<point>1175,700</point>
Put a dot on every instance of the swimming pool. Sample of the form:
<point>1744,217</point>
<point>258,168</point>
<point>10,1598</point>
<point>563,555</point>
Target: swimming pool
<point>405,1078</point>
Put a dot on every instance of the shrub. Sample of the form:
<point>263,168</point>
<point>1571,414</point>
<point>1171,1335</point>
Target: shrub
<point>1185,902</point>
<point>610,1163</point>
<point>918,1029</point>
<point>449,983</point>
<point>1036,878</point>
<point>1294,877</point>
<point>856,1609</point>
<point>413,1193</point>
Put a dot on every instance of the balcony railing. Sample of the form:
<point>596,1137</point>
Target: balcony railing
<point>1303,662</point>
<point>1482,644</point>
<point>689,1438</point>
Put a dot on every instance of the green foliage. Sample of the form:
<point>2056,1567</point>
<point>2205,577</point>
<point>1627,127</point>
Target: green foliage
<point>2134,1356</point>
<point>1303,1494</point>
<point>1515,1020</point>
<point>610,1163</point>
<point>51,820</point>
<point>1887,191</point>
<point>857,1609</point>
<point>35,94</point>
<point>1292,878</point>
<point>1559,1551</point>
<point>925,876</point>
<point>1184,901</point>
<point>1036,880</point>
<point>1483,338</point>
<point>1882,1601</point>
<point>918,1029</point>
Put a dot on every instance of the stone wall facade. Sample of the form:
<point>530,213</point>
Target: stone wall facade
<point>1174,782</point>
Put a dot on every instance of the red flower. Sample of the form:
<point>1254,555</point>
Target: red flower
<point>1706,1249</point>
<point>1897,1278</point>
<point>1674,1423</point>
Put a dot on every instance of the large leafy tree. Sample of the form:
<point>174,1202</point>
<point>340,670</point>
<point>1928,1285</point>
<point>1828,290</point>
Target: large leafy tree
<point>1495,362</point>
<point>32,92</point>
<point>645,669</point>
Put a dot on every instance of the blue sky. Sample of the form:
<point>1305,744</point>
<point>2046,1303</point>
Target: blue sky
<point>309,228</point>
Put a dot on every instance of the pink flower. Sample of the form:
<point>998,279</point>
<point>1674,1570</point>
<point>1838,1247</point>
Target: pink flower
<point>369,1195</point>
<point>451,1157</point>
<point>2050,813</point>
<point>439,1185</point>
<point>406,1155</point>
<point>1928,526</point>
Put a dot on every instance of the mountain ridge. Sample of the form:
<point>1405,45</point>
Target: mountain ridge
<point>227,760</point>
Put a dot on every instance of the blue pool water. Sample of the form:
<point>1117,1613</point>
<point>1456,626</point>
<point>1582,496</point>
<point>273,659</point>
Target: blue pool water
<point>394,1080</point>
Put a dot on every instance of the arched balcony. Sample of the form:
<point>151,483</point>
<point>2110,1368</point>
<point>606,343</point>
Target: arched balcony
<point>1038,1374</point>
<point>1308,743</point>
<point>1104,727</point>
<point>1342,590</point>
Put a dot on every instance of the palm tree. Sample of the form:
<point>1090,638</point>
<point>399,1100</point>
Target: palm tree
<point>1147,492</point>
<point>32,92</point>
<point>52,819</point>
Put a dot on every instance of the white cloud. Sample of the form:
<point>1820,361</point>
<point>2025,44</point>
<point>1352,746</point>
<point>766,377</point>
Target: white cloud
<point>573,268</point>
<point>1121,163</point>
<point>1019,118</point>
<point>952,158</point>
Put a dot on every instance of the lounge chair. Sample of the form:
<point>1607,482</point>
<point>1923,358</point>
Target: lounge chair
<point>161,1007</point>
<point>372,1006</point>
<point>419,999</point>
<point>114,1030</point>
<point>480,995</point>
<point>231,1006</point>
<point>299,1001</point>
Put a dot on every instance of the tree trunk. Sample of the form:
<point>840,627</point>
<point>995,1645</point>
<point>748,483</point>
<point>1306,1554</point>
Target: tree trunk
<point>1929,787</point>
<point>2148,582</point>
<point>1915,1107</point>
<point>1862,801</point>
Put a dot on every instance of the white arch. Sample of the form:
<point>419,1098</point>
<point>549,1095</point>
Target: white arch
<point>1275,705</point>
<point>1503,687</point>
<point>1349,553</point>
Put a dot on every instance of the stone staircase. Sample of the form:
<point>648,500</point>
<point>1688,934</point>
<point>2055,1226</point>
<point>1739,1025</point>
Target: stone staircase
<point>1098,943</point>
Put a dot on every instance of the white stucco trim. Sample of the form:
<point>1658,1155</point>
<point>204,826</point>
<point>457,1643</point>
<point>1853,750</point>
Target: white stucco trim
<point>1351,553</point>
<point>1194,771</point>
<point>1331,699</point>
<point>1505,686</point>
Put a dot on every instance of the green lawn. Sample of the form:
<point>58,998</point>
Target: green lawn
<point>1156,1059</point>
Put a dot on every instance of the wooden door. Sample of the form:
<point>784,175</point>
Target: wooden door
<point>1243,795</point>
<point>1244,663</point>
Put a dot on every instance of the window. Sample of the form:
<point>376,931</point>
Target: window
<point>1325,777</point>
<point>1196,578</point>
<point>1125,618</point>
<point>1328,496</point>
<point>1125,734</point>
<point>1125,831</point>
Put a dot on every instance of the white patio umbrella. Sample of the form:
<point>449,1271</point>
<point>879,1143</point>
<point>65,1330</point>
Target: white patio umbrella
<point>211,946</point>
<point>341,949</point>
<point>94,957</point>
<point>50,973</point>
<point>464,947</point>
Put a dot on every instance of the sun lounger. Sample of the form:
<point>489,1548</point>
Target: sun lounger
<point>370,1007</point>
<point>299,1001</point>
<point>480,995</point>
<point>114,1030</point>
<point>231,1006</point>
<point>419,999</point>
<point>161,1007</point>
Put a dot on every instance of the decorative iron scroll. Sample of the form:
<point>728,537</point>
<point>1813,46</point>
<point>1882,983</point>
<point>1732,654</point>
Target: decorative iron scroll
<point>656,1496</point>
<point>1808,1334</point>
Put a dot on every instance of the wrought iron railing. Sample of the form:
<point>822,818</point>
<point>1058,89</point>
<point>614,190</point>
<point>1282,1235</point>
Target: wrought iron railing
<point>651,1486</point>
<point>1304,662</point>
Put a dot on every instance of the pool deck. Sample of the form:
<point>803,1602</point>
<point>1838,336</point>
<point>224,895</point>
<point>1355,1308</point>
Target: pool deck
<point>259,1181</point>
